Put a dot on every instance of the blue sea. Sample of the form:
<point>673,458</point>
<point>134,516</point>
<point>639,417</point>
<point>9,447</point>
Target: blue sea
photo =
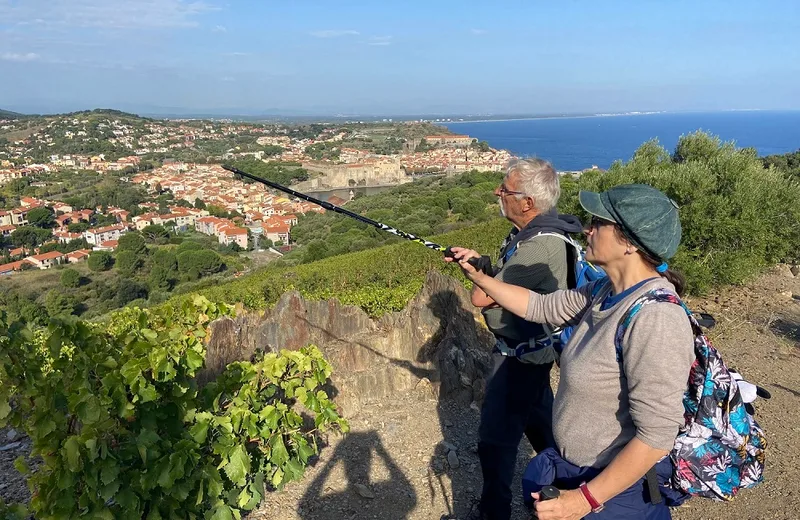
<point>576,143</point>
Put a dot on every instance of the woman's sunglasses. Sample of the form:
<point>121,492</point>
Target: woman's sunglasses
<point>596,222</point>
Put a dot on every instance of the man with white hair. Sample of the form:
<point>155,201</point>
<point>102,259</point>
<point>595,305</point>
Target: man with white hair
<point>519,398</point>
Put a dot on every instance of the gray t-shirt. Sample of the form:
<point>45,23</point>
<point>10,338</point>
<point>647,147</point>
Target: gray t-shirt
<point>601,406</point>
<point>538,264</point>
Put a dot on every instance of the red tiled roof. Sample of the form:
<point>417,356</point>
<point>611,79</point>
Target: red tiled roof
<point>52,255</point>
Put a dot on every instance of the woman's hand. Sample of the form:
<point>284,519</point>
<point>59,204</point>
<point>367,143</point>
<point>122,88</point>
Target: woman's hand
<point>462,256</point>
<point>571,505</point>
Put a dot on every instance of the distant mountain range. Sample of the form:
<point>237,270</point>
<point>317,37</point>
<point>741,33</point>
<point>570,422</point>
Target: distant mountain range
<point>7,114</point>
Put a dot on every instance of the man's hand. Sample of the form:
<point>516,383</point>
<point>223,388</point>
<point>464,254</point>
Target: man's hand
<point>571,505</point>
<point>462,255</point>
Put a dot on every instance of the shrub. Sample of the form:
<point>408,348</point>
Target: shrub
<point>124,431</point>
<point>199,263</point>
<point>189,245</point>
<point>127,262</point>
<point>70,278</point>
<point>133,242</point>
<point>58,303</point>
<point>130,290</point>
<point>100,261</point>
<point>737,217</point>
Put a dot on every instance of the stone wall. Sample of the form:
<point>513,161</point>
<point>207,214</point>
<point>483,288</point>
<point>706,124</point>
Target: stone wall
<point>437,342</point>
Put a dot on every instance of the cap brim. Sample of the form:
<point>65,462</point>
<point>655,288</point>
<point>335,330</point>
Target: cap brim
<point>593,203</point>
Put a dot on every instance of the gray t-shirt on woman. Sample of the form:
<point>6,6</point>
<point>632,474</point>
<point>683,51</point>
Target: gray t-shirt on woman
<point>599,406</point>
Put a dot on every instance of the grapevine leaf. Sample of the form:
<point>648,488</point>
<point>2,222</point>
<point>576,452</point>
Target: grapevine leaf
<point>5,409</point>
<point>127,500</point>
<point>72,450</point>
<point>148,393</point>
<point>91,445</point>
<point>199,431</point>
<point>109,472</point>
<point>150,334</point>
<point>109,490</point>
<point>305,451</point>
<point>21,465</point>
<point>244,498</point>
<point>279,454</point>
<point>222,512</point>
<point>294,470</point>
<point>89,410</point>
<point>238,466</point>
<point>277,478</point>
<point>131,371</point>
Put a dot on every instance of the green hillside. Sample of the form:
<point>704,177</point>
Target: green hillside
<point>7,114</point>
<point>737,217</point>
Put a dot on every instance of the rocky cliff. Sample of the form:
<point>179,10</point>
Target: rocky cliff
<point>438,343</point>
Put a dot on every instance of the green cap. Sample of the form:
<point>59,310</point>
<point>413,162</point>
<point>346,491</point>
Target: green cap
<point>647,217</point>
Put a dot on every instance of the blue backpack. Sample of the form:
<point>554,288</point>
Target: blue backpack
<point>583,273</point>
<point>720,448</point>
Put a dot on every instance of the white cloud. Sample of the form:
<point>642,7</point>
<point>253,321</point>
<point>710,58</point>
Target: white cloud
<point>109,14</point>
<point>478,32</point>
<point>237,53</point>
<point>219,29</point>
<point>13,56</point>
<point>334,33</point>
<point>227,79</point>
<point>380,41</point>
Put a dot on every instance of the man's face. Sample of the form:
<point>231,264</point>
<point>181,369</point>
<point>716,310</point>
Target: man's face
<point>507,193</point>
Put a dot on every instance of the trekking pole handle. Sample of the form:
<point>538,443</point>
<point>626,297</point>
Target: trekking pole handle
<point>549,493</point>
<point>481,264</point>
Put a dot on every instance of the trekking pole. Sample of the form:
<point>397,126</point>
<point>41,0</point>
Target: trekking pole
<point>475,262</point>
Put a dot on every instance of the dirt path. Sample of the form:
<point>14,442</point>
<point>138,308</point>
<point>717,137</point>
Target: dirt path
<point>396,462</point>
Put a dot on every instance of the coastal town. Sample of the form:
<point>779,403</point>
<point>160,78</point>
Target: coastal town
<point>182,159</point>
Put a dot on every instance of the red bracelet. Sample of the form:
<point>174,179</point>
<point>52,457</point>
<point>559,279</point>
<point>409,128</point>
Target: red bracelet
<point>594,504</point>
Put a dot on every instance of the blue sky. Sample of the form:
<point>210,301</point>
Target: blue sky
<point>433,57</point>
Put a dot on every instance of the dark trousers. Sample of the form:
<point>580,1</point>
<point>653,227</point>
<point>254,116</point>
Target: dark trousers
<point>518,400</point>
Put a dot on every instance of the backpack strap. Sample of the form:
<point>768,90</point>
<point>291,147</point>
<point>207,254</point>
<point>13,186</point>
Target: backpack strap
<point>653,296</point>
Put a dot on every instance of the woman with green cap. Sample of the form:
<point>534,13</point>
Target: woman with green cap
<point>613,419</point>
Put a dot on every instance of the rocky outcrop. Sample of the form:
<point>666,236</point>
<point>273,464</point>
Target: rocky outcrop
<point>438,342</point>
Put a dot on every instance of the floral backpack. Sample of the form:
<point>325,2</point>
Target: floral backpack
<point>720,448</point>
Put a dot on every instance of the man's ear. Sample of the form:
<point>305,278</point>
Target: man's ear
<point>530,203</point>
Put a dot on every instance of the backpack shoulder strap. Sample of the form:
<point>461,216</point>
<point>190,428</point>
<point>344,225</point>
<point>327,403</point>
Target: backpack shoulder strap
<point>653,296</point>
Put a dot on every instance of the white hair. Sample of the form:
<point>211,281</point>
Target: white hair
<point>538,180</point>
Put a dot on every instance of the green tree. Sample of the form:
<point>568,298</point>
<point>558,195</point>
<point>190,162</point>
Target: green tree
<point>155,234</point>
<point>70,278</point>
<point>423,146</point>
<point>160,278</point>
<point>166,258</point>
<point>41,217</point>
<point>127,263</point>
<point>199,263</point>
<point>199,204</point>
<point>129,290</point>
<point>100,261</point>
<point>133,242</point>
<point>78,227</point>
<point>29,236</point>
<point>58,303</point>
<point>190,245</point>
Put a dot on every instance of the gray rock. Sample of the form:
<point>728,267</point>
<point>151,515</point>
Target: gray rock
<point>452,460</point>
<point>448,447</point>
<point>795,270</point>
<point>364,491</point>
<point>12,446</point>
<point>12,435</point>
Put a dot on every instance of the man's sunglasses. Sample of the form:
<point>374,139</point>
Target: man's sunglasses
<point>504,191</point>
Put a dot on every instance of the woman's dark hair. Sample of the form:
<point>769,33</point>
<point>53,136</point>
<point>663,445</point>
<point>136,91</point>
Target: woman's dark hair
<point>674,277</point>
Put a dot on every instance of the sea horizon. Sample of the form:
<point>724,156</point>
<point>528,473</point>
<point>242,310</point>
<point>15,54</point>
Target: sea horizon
<point>579,143</point>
